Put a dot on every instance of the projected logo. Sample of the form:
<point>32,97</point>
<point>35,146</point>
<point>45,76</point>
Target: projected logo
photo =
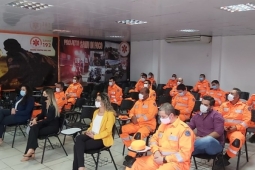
<point>35,42</point>
<point>124,49</point>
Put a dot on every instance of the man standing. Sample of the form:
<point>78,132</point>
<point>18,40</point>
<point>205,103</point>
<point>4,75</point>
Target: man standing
<point>152,95</point>
<point>171,82</point>
<point>210,128</point>
<point>184,102</point>
<point>237,118</point>
<point>218,94</point>
<point>60,95</point>
<point>73,91</point>
<point>172,144</point>
<point>202,86</point>
<point>114,93</point>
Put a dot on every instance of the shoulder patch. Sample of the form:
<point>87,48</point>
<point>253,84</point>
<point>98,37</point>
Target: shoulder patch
<point>187,133</point>
<point>154,104</point>
<point>63,98</point>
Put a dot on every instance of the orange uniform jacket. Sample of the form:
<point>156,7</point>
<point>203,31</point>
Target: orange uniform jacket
<point>152,95</point>
<point>174,141</point>
<point>152,80</point>
<point>218,95</point>
<point>115,94</point>
<point>74,90</point>
<point>251,102</point>
<point>60,99</point>
<point>184,104</point>
<point>170,84</point>
<point>139,85</point>
<point>236,115</point>
<point>202,87</point>
<point>145,112</point>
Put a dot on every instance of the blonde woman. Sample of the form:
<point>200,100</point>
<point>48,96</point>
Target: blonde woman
<point>44,124</point>
<point>99,134</point>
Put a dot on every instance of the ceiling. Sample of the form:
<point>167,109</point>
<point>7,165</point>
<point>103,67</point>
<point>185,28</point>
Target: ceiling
<point>96,18</point>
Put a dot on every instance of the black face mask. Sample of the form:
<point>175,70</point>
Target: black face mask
<point>44,98</point>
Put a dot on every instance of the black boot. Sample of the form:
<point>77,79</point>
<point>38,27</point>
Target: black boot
<point>252,139</point>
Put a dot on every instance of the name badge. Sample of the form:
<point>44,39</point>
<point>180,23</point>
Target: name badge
<point>145,106</point>
<point>226,109</point>
<point>113,92</point>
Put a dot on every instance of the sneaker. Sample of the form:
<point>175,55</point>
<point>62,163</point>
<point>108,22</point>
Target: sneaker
<point>252,139</point>
<point>221,163</point>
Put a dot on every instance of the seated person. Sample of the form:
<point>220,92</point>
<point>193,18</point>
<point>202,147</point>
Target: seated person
<point>218,94</point>
<point>139,85</point>
<point>151,78</point>
<point>174,91</point>
<point>43,124</point>
<point>114,93</point>
<point>142,119</point>
<point>251,106</point>
<point>60,95</point>
<point>99,134</point>
<point>73,92</point>
<point>171,145</point>
<point>202,86</point>
<point>184,101</point>
<point>21,110</point>
<point>152,95</point>
<point>210,128</point>
<point>171,82</point>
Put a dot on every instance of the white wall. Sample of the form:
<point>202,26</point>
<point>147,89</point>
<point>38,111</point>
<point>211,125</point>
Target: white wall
<point>231,60</point>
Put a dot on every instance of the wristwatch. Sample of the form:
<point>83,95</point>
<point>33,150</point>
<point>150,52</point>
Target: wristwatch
<point>164,160</point>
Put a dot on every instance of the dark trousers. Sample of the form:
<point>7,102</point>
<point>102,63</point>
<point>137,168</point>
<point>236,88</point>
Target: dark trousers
<point>6,118</point>
<point>37,130</point>
<point>84,143</point>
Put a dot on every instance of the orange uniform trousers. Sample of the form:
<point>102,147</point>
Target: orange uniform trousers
<point>133,128</point>
<point>147,162</point>
<point>232,150</point>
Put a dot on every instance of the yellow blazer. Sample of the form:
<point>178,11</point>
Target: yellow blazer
<point>106,126</point>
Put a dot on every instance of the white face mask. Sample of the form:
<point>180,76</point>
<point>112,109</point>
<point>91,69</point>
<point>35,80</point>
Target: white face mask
<point>145,85</point>
<point>142,79</point>
<point>165,120</point>
<point>57,89</point>
<point>74,80</point>
<point>97,104</point>
<point>140,96</point>
<point>110,83</point>
<point>178,83</point>
<point>181,94</point>
<point>203,108</point>
<point>230,97</point>
<point>173,78</point>
<point>149,76</point>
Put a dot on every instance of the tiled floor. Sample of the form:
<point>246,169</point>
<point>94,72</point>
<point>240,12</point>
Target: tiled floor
<point>57,160</point>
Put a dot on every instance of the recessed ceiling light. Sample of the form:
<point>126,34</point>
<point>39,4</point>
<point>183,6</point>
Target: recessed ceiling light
<point>239,7</point>
<point>131,22</point>
<point>115,36</point>
<point>188,30</point>
<point>57,30</point>
<point>28,5</point>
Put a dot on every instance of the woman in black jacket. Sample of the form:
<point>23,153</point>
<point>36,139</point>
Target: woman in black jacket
<point>44,124</point>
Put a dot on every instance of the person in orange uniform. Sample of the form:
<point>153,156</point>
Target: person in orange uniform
<point>237,118</point>
<point>114,93</point>
<point>139,85</point>
<point>202,86</point>
<point>218,94</point>
<point>60,95</point>
<point>171,145</point>
<point>151,78</point>
<point>152,95</point>
<point>171,82</point>
<point>73,92</point>
<point>184,101</point>
<point>174,91</point>
<point>142,118</point>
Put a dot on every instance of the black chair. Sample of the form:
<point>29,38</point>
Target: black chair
<point>126,91</point>
<point>163,99</point>
<point>167,91</point>
<point>15,131</point>
<point>134,95</point>
<point>46,138</point>
<point>75,110</point>
<point>244,95</point>
<point>132,84</point>
<point>126,105</point>
<point>160,90</point>
<point>98,152</point>
<point>189,88</point>
<point>196,95</point>
<point>154,87</point>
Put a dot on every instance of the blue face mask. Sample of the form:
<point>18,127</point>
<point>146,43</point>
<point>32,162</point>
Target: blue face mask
<point>22,93</point>
<point>201,78</point>
<point>181,94</point>
<point>214,87</point>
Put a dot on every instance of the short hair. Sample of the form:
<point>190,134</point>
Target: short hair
<point>144,75</point>
<point>112,78</point>
<point>149,82</point>
<point>174,75</point>
<point>181,87</point>
<point>168,108</point>
<point>77,77</point>
<point>203,75</point>
<point>215,81</point>
<point>210,99</point>
<point>150,73</point>
<point>238,91</point>
<point>61,84</point>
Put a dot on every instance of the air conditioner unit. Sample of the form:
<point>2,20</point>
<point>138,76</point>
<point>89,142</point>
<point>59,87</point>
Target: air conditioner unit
<point>202,39</point>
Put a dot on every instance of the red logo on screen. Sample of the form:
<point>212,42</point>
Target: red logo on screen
<point>124,49</point>
<point>35,42</point>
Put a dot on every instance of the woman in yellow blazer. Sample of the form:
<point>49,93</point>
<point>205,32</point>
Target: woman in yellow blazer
<point>99,133</point>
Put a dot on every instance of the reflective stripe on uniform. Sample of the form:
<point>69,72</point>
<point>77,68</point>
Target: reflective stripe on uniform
<point>232,151</point>
<point>244,124</point>
<point>181,104</point>
<point>153,143</point>
<point>173,138</point>
<point>166,153</point>
<point>141,115</point>
<point>179,157</point>
<point>126,139</point>
<point>233,121</point>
